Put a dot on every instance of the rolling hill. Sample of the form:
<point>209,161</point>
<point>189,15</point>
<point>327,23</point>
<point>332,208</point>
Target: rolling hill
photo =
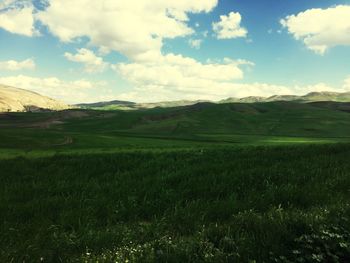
<point>327,96</point>
<point>127,105</point>
<point>218,174</point>
<point>108,104</point>
<point>281,118</point>
<point>310,97</point>
<point>208,123</point>
<point>20,100</point>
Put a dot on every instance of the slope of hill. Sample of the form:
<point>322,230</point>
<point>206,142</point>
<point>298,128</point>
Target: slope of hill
<point>250,99</point>
<point>108,104</point>
<point>127,105</point>
<point>19,100</point>
<point>310,97</point>
<point>282,98</point>
<point>327,96</point>
<point>281,118</point>
<point>99,186</point>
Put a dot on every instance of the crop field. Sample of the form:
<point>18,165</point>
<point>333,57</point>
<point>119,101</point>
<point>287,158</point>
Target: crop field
<point>257,184</point>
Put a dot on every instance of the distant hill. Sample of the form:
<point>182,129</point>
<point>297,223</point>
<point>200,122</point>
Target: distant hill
<point>221,120</point>
<point>127,105</point>
<point>319,119</point>
<point>282,98</point>
<point>20,100</point>
<point>250,99</point>
<point>327,96</point>
<point>310,97</point>
<point>168,104</point>
<point>108,105</point>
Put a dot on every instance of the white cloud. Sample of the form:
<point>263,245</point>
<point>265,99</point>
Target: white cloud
<point>195,43</point>
<point>67,91</point>
<point>133,28</point>
<point>137,29</point>
<point>346,86</point>
<point>179,71</point>
<point>13,65</point>
<point>92,63</point>
<point>176,77</point>
<point>321,29</point>
<point>229,26</point>
<point>17,18</point>
<point>6,3</point>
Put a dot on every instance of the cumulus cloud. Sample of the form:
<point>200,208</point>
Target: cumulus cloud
<point>179,72</point>
<point>320,29</point>
<point>67,91</point>
<point>13,65</point>
<point>222,90</point>
<point>92,63</point>
<point>6,3</point>
<point>195,43</point>
<point>177,77</point>
<point>17,17</point>
<point>347,84</point>
<point>229,26</point>
<point>135,28</point>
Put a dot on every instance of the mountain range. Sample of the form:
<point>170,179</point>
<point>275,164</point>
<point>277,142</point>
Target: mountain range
<point>310,97</point>
<point>20,100</point>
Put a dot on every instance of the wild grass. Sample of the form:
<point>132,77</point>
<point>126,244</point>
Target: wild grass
<point>242,204</point>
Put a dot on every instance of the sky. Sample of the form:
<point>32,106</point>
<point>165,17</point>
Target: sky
<point>164,50</point>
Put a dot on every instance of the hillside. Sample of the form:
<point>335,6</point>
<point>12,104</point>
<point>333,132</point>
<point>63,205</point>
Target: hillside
<point>107,104</point>
<point>241,181</point>
<point>321,119</point>
<point>20,100</point>
<point>127,105</point>
<point>327,96</point>
<point>238,181</point>
<point>310,97</point>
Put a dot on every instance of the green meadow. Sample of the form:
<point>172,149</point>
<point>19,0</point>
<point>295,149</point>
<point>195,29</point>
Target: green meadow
<point>261,182</point>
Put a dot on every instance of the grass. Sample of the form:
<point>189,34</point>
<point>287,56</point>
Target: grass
<point>118,192</point>
<point>207,205</point>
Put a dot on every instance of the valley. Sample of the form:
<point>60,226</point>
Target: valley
<point>246,182</point>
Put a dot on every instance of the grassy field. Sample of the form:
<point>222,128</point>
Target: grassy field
<point>206,183</point>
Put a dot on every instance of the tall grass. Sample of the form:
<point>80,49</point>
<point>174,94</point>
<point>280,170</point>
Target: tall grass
<point>253,204</point>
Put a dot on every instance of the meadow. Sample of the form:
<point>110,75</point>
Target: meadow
<point>206,183</point>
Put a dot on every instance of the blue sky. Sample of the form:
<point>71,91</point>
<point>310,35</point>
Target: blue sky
<point>142,51</point>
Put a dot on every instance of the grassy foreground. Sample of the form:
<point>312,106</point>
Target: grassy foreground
<point>233,204</point>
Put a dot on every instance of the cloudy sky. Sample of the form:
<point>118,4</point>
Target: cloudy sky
<point>157,50</point>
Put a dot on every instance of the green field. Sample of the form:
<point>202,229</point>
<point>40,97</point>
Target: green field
<point>261,182</point>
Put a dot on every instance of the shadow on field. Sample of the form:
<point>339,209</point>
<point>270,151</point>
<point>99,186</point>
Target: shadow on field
<point>282,204</point>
